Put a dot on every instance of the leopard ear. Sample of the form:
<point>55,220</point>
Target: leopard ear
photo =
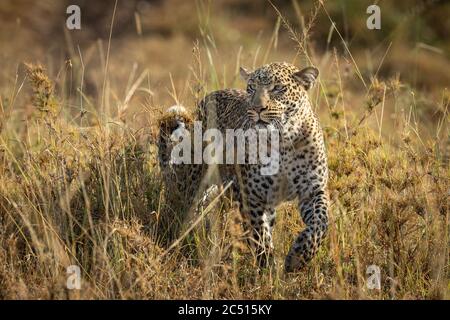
<point>307,76</point>
<point>245,74</point>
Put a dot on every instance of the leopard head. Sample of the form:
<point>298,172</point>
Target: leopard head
<point>176,119</point>
<point>275,89</point>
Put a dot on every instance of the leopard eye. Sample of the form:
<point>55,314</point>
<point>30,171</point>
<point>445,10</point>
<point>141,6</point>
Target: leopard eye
<point>250,88</point>
<point>278,88</point>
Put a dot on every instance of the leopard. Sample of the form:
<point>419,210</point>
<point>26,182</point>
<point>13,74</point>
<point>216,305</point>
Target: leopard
<point>276,98</point>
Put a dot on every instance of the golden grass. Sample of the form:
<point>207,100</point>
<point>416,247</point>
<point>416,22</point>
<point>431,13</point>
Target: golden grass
<point>91,194</point>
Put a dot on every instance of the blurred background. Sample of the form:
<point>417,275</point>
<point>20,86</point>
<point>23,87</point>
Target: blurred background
<point>160,35</point>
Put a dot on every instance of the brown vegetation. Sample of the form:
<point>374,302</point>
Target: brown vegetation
<point>80,184</point>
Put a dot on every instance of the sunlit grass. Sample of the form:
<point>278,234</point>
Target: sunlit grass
<point>85,188</point>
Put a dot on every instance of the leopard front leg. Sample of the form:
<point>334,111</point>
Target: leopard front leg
<point>314,213</point>
<point>260,222</point>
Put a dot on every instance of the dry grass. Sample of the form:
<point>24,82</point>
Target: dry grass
<point>84,188</point>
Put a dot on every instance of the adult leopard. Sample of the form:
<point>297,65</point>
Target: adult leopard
<point>276,98</point>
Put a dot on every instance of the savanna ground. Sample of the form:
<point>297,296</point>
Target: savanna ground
<point>79,179</point>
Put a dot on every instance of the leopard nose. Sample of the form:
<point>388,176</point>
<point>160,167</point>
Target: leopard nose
<point>259,108</point>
